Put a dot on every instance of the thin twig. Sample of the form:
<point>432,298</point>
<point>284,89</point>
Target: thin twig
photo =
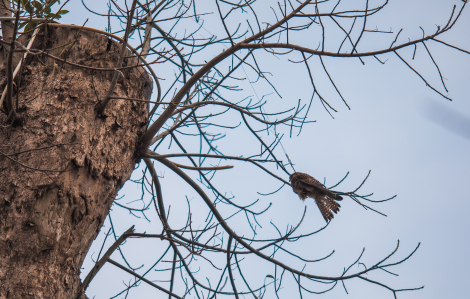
<point>106,99</point>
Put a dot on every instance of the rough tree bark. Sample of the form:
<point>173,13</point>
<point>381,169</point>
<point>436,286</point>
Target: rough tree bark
<point>62,164</point>
<point>7,26</point>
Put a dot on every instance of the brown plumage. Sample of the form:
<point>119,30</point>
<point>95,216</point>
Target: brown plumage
<point>307,186</point>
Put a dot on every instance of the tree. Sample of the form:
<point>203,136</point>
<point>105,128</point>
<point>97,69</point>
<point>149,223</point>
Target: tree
<point>76,120</point>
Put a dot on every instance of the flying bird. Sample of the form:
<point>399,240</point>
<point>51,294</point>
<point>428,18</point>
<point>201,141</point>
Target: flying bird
<point>307,186</point>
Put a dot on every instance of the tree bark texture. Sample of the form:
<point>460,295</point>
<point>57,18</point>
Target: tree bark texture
<point>7,26</point>
<point>62,165</point>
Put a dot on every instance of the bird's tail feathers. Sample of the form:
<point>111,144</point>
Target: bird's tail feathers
<point>327,206</point>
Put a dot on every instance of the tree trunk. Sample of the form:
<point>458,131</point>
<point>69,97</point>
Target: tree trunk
<point>62,165</point>
<point>7,26</point>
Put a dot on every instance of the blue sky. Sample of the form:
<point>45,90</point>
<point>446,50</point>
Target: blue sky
<point>415,142</point>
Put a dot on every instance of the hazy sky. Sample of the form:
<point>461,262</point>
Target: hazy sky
<point>416,143</point>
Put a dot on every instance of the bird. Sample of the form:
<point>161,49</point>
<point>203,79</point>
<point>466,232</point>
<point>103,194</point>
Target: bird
<point>307,186</point>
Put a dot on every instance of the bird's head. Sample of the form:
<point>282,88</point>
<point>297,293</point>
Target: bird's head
<point>292,176</point>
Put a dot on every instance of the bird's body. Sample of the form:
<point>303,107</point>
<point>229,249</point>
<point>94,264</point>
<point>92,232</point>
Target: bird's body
<point>307,186</point>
